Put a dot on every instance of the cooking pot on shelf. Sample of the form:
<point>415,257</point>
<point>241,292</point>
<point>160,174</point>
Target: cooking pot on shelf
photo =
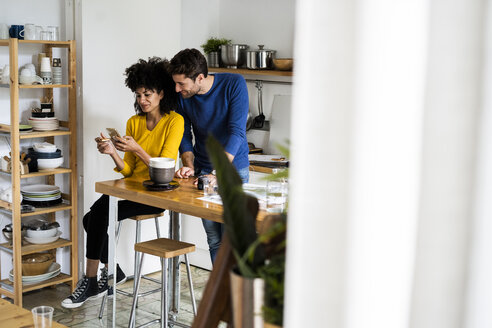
<point>260,58</point>
<point>233,55</point>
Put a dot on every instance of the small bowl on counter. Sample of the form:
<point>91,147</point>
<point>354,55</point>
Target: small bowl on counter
<point>283,64</point>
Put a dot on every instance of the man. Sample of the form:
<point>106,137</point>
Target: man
<point>216,104</point>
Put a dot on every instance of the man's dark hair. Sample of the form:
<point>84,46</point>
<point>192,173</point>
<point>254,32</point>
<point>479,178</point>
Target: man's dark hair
<point>189,62</point>
<point>153,75</point>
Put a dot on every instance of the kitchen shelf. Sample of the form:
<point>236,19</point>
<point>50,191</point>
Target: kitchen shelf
<point>253,74</point>
<point>7,285</point>
<point>59,170</point>
<point>5,129</point>
<point>67,128</point>
<point>35,248</point>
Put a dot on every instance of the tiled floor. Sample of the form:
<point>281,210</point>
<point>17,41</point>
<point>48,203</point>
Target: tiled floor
<point>149,306</point>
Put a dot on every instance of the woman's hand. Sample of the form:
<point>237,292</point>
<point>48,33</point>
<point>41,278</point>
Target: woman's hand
<point>104,145</point>
<point>126,144</point>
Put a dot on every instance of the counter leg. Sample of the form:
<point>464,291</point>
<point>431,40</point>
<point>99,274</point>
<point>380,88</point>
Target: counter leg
<point>174,281</point>
<point>113,218</point>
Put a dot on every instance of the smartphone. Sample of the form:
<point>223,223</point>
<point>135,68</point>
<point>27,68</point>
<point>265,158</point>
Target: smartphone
<point>113,133</point>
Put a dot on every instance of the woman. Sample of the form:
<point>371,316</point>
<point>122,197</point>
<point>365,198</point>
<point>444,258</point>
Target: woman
<point>155,131</point>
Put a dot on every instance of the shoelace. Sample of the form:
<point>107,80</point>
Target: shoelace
<point>104,279</point>
<point>81,286</point>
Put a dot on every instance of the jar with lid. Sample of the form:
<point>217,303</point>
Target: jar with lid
<point>260,58</point>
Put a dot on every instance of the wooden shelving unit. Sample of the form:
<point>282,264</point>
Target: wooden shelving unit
<point>67,129</point>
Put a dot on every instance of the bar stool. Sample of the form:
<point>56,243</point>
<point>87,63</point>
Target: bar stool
<point>165,249</point>
<point>138,220</point>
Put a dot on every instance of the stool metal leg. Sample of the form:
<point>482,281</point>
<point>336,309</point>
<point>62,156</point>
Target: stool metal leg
<point>164,314</point>
<point>192,292</point>
<point>131,322</point>
<point>157,228</point>
<point>105,297</point>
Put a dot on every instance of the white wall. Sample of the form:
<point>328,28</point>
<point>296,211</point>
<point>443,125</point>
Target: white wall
<point>247,22</point>
<point>112,37</point>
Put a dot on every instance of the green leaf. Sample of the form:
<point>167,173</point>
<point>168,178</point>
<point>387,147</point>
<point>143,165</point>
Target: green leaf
<point>240,211</point>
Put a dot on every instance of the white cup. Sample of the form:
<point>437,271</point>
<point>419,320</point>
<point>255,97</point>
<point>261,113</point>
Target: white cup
<point>29,32</point>
<point>55,34</point>
<point>45,65</point>
<point>4,31</point>
<point>39,29</point>
<point>42,316</point>
<point>161,162</point>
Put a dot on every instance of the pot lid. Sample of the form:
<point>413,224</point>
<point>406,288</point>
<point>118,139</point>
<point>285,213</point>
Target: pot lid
<point>260,49</point>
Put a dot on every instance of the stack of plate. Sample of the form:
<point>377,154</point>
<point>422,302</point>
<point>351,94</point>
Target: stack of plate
<point>41,195</point>
<point>44,123</point>
<point>53,271</point>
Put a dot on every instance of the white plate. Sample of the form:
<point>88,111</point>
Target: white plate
<point>40,189</point>
<point>53,271</point>
<point>41,196</point>
<point>43,240</point>
<point>41,199</point>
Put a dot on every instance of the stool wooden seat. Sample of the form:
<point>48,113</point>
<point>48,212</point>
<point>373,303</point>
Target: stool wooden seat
<point>137,219</point>
<point>165,249</point>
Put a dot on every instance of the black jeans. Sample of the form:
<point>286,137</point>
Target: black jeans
<point>96,223</point>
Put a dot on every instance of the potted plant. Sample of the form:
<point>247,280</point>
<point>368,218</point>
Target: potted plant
<point>260,257</point>
<point>211,48</point>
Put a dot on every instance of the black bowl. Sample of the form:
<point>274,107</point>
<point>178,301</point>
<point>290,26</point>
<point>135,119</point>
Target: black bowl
<point>56,154</point>
<point>43,114</point>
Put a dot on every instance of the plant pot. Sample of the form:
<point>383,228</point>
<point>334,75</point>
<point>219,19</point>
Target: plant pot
<point>213,59</point>
<point>247,300</point>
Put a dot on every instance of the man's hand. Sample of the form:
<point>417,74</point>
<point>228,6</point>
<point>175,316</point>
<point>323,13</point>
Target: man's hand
<point>184,172</point>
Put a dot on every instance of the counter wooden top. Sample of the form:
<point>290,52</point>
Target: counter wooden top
<point>183,199</point>
<point>14,316</point>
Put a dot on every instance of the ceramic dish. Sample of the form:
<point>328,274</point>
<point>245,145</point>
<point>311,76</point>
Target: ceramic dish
<point>40,189</point>
<point>53,271</point>
<point>49,163</point>
<point>48,203</point>
<point>25,127</point>
<point>44,147</point>
<point>41,196</point>
<point>47,240</point>
<point>42,155</point>
<point>41,199</point>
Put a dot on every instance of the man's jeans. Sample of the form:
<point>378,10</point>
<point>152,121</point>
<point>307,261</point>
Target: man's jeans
<point>215,230</point>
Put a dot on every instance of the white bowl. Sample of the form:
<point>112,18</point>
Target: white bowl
<point>42,233</point>
<point>44,147</point>
<point>49,163</point>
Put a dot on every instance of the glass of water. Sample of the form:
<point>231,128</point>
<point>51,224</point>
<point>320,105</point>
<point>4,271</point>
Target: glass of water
<point>277,192</point>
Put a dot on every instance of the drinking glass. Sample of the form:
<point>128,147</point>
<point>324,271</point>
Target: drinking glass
<point>277,192</point>
<point>55,33</point>
<point>42,316</point>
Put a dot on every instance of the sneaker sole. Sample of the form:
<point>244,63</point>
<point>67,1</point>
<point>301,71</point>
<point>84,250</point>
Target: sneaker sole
<point>76,305</point>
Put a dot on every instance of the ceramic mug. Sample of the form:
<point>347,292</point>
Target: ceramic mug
<point>17,32</point>
<point>4,31</point>
<point>29,32</point>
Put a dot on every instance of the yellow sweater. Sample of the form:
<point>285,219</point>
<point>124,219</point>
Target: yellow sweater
<point>162,141</point>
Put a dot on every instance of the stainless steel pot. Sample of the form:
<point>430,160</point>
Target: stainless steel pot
<point>260,58</point>
<point>233,55</point>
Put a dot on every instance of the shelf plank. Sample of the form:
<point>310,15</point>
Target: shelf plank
<point>28,248</point>
<point>61,278</point>
<point>55,44</point>
<point>45,210</point>
<point>59,170</point>
<point>44,134</point>
<point>245,71</point>
<point>43,86</point>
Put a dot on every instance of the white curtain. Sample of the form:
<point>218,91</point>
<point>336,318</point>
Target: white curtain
<point>389,223</point>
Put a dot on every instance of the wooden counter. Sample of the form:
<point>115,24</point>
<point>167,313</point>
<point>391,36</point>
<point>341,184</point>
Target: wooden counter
<point>14,316</point>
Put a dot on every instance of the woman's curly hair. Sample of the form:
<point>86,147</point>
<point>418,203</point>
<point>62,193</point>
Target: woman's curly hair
<point>153,75</point>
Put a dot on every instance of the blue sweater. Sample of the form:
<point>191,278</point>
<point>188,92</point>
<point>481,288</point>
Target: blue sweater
<point>222,111</point>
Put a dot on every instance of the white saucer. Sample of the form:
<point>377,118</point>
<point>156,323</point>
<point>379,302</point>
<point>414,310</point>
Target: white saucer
<point>53,271</point>
<point>40,189</point>
<point>45,240</point>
